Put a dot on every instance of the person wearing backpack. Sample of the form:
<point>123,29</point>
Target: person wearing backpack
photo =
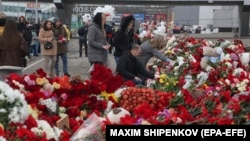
<point>61,38</point>
<point>82,32</point>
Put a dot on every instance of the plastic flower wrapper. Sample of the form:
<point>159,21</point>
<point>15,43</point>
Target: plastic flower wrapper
<point>108,10</point>
<point>90,130</point>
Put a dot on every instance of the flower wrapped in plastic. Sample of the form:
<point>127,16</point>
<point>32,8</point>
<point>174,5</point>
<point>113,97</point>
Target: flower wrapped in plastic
<point>108,10</point>
<point>90,130</point>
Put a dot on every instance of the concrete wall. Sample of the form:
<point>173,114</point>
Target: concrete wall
<point>186,15</point>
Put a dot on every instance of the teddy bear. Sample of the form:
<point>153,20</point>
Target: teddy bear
<point>212,54</point>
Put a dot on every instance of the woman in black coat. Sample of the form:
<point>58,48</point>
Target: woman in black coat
<point>123,38</point>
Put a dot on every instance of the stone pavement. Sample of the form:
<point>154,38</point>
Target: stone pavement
<point>80,66</point>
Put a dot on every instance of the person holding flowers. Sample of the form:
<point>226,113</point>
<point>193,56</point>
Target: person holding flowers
<point>130,67</point>
<point>98,46</point>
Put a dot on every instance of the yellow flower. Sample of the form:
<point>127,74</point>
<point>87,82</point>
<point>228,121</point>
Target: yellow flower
<point>45,81</point>
<point>163,76</point>
<point>56,85</point>
<point>1,126</point>
<point>161,80</point>
<point>167,83</point>
<point>168,51</point>
<point>34,112</point>
<point>39,81</point>
<point>107,95</point>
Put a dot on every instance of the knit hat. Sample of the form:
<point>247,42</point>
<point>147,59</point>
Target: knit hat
<point>56,19</point>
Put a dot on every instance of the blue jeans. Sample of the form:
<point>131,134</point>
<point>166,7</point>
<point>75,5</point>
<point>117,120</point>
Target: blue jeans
<point>64,61</point>
<point>34,49</point>
<point>117,59</point>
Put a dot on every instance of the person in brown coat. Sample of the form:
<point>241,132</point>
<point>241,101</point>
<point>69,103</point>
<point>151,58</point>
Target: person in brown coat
<point>12,50</point>
<point>46,35</point>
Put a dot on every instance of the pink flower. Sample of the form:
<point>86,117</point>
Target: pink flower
<point>64,96</point>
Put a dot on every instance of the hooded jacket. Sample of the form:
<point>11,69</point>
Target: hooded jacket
<point>123,39</point>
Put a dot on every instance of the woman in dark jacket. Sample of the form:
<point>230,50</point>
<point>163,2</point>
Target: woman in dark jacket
<point>12,50</point>
<point>124,37</point>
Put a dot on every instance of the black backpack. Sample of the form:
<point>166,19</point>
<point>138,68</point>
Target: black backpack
<point>83,31</point>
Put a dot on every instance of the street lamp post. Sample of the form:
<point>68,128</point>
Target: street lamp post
<point>36,11</point>
<point>0,5</point>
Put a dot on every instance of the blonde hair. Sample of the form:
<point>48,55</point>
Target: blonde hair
<point>103,23</point>
<point>158,42</point>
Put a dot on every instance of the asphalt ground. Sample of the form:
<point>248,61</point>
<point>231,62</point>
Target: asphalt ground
<point>79,66</point>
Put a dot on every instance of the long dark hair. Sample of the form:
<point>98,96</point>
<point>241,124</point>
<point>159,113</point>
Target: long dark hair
<point>10,30</point>
<point>98,19</point>
<point>45,25</point>
<point>125,22</point>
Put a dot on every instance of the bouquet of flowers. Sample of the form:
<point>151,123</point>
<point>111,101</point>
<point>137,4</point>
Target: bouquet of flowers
<point>90,130</point>
<point>13,107</point>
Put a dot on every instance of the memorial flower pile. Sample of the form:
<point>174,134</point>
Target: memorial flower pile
<point>34,107</point>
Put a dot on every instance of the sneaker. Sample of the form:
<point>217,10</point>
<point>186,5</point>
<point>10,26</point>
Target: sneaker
<point>67,74</point>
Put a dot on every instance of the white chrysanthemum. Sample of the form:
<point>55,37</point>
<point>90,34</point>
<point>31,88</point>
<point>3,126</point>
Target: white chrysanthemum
<point>189,44</point>
<point>237,71</point>
<point>227,81</point>
<point>245,58</point>
<point>191,57</point>
<point>171,41</point>
<point>228,64</point>
<point>44,127</point>
<point>160,30</point>
<point>118,92</point>
<point>227,57</point>
<point>143,34</point>
<point>2,139</point>
<point>232,46</point>
<point>18,109</point>
<point>246,81</point>
<point>202,77</point>
<point>241,86</point>
<point>189,81</point>
<point>227,43</point>
<point>108,10</point>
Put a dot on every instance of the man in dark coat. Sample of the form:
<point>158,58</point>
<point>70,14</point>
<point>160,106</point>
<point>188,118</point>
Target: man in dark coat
<point>130,68</point>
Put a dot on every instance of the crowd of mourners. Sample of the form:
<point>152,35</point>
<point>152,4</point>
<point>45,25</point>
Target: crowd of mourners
<point>132,48</point>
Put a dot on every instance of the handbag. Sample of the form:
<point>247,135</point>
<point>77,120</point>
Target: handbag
<point>48,45</point>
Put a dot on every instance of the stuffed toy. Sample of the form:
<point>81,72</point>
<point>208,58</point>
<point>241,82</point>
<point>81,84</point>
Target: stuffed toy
<point>116,114</point>
<point>212,54</point>
<point>197,93</point>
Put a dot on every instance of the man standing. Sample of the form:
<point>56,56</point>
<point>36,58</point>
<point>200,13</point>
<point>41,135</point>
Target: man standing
<point>61,38</point>
<point>82,32</point>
